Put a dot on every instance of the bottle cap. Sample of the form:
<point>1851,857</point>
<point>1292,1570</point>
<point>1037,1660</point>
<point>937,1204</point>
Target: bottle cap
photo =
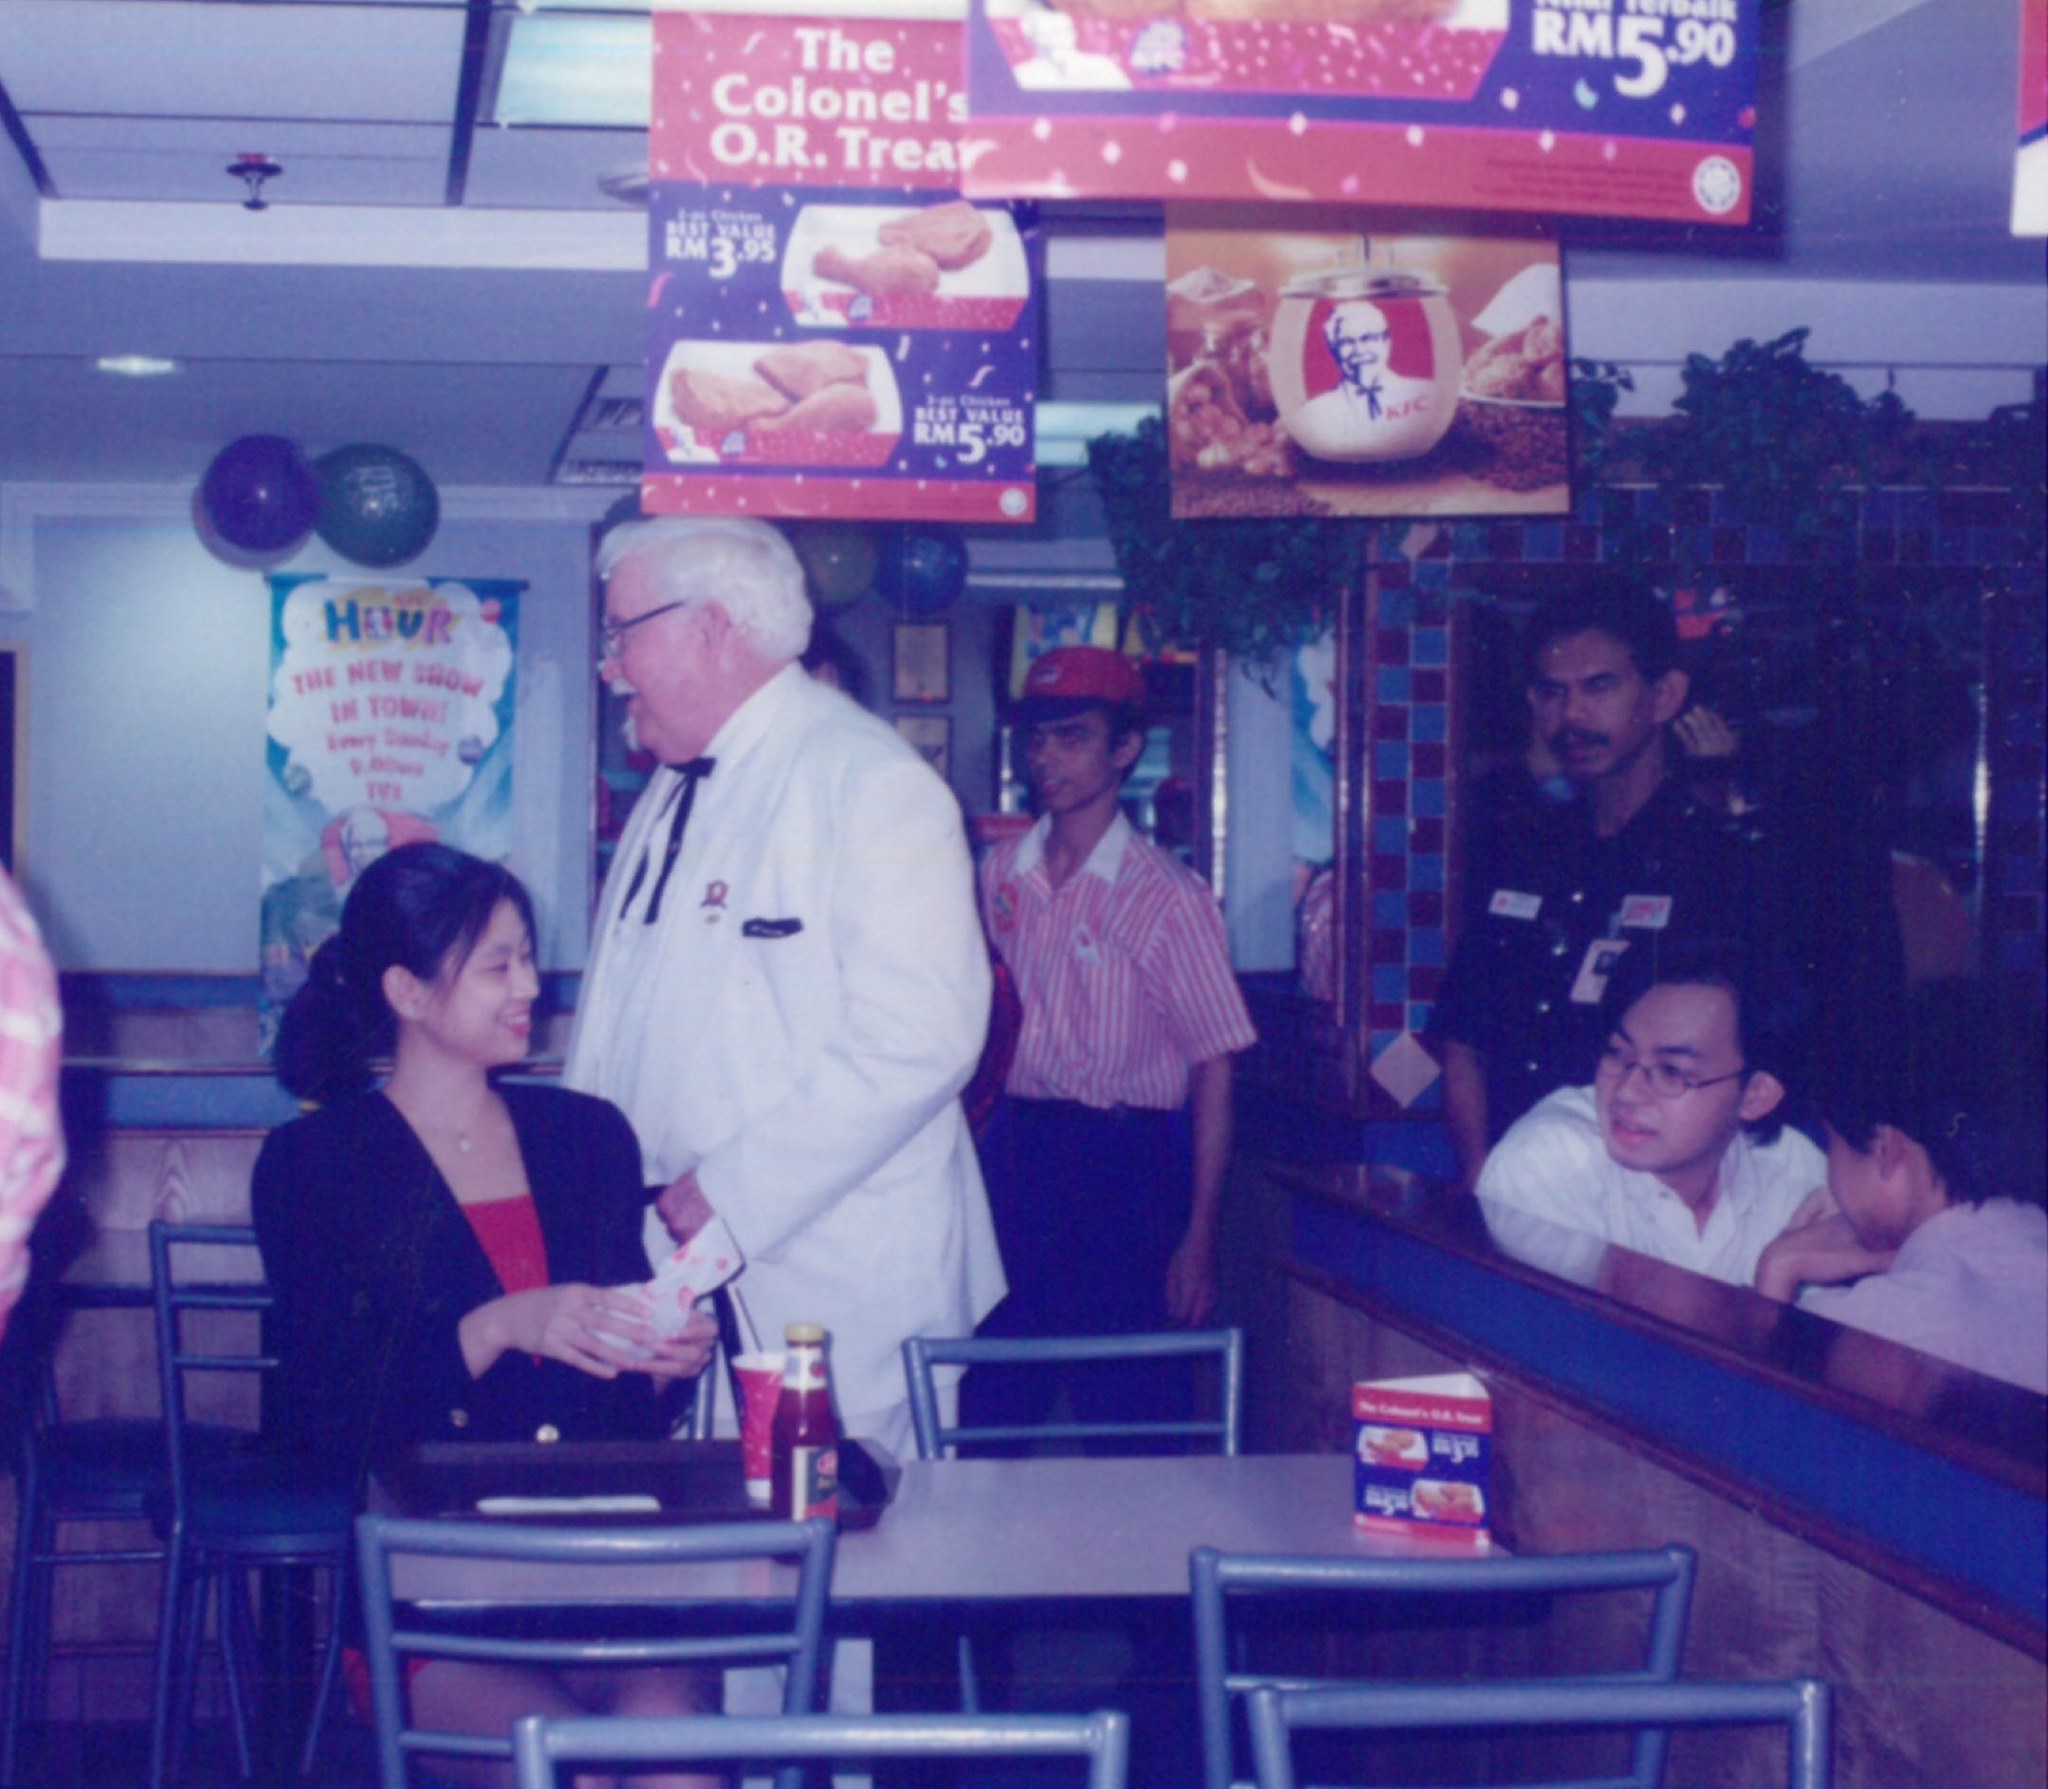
<point>799,1334</point>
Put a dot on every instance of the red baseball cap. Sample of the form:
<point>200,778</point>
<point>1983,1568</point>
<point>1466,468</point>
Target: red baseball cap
<point>1069,679</point>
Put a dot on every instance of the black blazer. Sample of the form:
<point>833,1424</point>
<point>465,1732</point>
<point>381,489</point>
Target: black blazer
<point>375,1266</point>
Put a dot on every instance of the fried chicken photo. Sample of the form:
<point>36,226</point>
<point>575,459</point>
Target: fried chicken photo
<point>799,371</point>
<point>715,404</point>
<point>833,409</point>
<point>954,234</point>
<point>1525,367</point>
<point>887,273</point>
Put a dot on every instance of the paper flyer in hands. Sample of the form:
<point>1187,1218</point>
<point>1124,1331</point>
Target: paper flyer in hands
<point>695,1270</point>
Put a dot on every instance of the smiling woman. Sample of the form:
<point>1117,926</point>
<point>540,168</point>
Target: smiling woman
<point>454,1261</point>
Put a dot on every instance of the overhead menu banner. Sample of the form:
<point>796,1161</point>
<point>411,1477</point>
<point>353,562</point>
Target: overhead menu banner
<point>2030,172</point>
<point>1617,108</point>
<point>832,329</point>
<point>390,722</point>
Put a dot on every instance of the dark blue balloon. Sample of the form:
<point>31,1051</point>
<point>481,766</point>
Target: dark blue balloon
<point>259,496</point>
<point>925,570</point>
<point>377,507</point>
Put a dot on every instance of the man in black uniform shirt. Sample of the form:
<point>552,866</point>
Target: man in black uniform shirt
<point>1635,861</point>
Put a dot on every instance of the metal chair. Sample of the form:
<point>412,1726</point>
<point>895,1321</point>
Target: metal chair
<point>540,1744</point>
<point>219,1519</point>
<point>614,1554</point>
<point>1800,1705</point>
<point>1215,1578</point>
<point>935,1437</point>
<point>100,1470</point>
<point>922,1353</point>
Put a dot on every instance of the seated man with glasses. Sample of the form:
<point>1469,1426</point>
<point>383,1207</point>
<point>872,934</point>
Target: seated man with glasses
<point>1678,1150</point>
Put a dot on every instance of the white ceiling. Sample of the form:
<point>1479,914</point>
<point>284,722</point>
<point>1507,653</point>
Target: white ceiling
<point>463,291</point>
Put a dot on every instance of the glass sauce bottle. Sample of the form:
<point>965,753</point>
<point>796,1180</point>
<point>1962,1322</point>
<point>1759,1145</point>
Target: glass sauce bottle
<point>806,1441</point>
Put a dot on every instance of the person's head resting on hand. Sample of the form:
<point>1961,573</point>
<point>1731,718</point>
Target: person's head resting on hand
<point>699,613</point>
<point>1081,718</point>
<point>1704,1042</point>
<point>1960,1124</point>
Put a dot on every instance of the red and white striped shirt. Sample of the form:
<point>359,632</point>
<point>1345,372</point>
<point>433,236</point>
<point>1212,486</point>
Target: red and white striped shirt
<point>1124,971</point>
<point>31,1138</point>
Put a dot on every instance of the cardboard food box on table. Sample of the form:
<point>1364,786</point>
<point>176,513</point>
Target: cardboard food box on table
<point>1424,1457</point>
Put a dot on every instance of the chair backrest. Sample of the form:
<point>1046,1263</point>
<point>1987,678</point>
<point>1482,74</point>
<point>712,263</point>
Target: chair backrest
<point>540,1743</point>
<point>174,1298</point>
<point>1215,1578</point>
<point>922,1353</point>
<point>613,1555</point>
<point>1800,1705</point>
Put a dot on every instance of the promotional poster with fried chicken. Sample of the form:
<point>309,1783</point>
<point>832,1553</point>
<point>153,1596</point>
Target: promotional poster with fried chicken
<point>832,329</point>
<point>1328,371</point>
<point>1612,108</point>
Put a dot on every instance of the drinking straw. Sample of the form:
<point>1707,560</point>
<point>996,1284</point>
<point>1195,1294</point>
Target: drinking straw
<point>739,1306</point>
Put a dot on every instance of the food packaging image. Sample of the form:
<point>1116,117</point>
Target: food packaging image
<point>1424,1455</point>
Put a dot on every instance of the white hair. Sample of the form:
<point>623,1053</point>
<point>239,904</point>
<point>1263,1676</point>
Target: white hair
<point>748,568</point>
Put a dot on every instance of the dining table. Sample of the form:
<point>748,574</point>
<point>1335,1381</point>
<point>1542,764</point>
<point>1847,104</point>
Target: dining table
<point>1001,1531</point>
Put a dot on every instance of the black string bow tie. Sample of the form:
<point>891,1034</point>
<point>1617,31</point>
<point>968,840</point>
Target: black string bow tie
<point>685,798</point>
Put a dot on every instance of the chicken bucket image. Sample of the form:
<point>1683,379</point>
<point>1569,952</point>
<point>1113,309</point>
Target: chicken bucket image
<point>1365,364</point>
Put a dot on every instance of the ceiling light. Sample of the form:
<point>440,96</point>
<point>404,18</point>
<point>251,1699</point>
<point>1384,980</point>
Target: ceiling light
<point>626,183</point>
<point>577,69</point>
<point>137,366</point>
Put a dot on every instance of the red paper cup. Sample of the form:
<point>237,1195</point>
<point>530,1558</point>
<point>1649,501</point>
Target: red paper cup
<point>760,1377</point>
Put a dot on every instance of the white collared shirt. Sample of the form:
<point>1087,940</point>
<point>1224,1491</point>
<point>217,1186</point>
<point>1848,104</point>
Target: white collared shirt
<point>1553,1167</point>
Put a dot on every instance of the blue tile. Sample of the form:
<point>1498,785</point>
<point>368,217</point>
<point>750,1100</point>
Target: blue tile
<point>1397,608</point>
<point>1426,946</point>
<point>1430,646</point>
<point>1543,540</point>
<point>1391,683</point>
<point>1427,797</point>
<point>1766,546</point>
<point>1390,909</point>
<point>1376,1041</point>
<point>1916,509</point>
<point>1952,546</point>
<point>1390,760</point>
<point>1390,835</point>
<point>1389,982</point>
<point>1426,872</point>
<point>1429,722</point>
<point>1880,508</point>
<point>1418,1014</point>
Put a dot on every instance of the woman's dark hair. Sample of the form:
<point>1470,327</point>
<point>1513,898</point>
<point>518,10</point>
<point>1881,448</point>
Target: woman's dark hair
<point>419,907</point>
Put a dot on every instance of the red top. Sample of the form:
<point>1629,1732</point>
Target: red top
<point>509,1229</point>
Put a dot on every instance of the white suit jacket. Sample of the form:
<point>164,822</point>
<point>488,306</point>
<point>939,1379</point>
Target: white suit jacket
<point>798,1024</point>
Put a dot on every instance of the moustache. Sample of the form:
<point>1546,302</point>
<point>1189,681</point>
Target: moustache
<point>1576,739</point>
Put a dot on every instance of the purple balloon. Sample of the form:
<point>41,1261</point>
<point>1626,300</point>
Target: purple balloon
<point>260,495</point>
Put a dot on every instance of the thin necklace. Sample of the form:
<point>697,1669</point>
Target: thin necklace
<point>461,1133</point>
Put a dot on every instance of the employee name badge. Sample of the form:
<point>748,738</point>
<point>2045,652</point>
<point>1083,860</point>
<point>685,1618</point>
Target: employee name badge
<point>1649,913</point>
<point>1590,986</point>
<point>1511,903</point>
